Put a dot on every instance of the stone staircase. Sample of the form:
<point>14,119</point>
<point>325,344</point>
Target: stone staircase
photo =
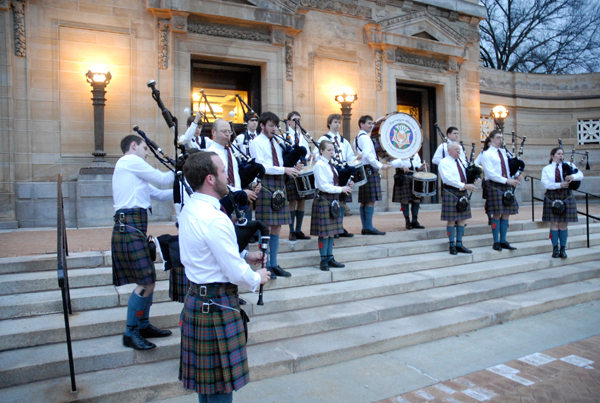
<point>397,290</point>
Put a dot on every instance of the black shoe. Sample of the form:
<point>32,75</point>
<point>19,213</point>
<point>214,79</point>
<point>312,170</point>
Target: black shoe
<point>151,331</point>
<point>373,231</point>
<point>346,234</point>
<point>409,225</point>
<point>243,301</point>
<point>336,236</point>
<point>292,236</point>
<point>462,249</point>
<point>489,221</point>
<point>562,254</point>
<point>273,276</point>
<point>332,263</point>
<point>415,224</point>
<point>324,266</point>
<point>453,250</point>
<point>497,246</point>
<point>555,253</point>
<point>506,245</point>
<point>137,342</point>
<point>278,271</point>
<point>300,235</point>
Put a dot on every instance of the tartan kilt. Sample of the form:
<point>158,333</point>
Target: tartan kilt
<point>370,191</point>
<point>403,191</point>
<point>291,190</point>
<point>178,284</point>
<point>131,261</point>
<point>263,210</point>
<point>449,199</point>
<point>321,222</point>
<point>570,203</point>
<point>213,345</point>
<point>493,201</point>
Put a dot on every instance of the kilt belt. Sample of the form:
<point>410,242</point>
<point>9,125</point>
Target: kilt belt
<point>202,292</point>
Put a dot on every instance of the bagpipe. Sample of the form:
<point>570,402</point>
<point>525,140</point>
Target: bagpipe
<point>474,171</point>
<point>248,168</point>
<point>515,164</point>
<point>571,169</point>
<point>292,153</point>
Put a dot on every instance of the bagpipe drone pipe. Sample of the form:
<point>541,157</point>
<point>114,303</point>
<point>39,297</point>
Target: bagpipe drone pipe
<point>248,168</point>
<point>292,153</point>
<point>473,171</point>
<point>571,168</point>
<point>515,164</point>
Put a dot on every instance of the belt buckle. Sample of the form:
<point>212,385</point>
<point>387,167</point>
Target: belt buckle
<point>203,291</point>
<point>121,227</point>
<point>205,308</point>
<point>121,216</point>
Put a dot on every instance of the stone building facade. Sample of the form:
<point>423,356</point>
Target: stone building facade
<point>394,54</point>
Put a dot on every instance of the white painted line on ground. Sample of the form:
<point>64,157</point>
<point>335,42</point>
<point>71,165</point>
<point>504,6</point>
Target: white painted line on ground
<point>450,400</point>
<point>424,395</point>
<point>465,382</point>
<point>400,400</point>
<point>479,394</point>
<point>510,373</point>
<point>537,359</point>
<point>578,361</point>
<point>445,389</point>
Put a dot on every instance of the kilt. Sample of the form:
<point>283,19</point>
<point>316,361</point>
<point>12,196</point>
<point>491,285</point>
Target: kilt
<point>291,190</point>
<point>213,345</point>
<point>403,191</point>
<point>370,191</point>
<point>263,210</point>
<point>130,254</point>
<point>178,284</point>
<point>562,194</point>
<point>450,197</point>
<point>493,201</point>
<point>321,222</point>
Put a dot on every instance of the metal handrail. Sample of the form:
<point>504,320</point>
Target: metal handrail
<point>62,251</point>
<point>587,206</point>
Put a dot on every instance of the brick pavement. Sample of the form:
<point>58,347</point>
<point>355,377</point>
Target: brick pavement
<point>566,374</point>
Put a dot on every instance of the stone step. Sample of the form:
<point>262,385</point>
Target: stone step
<point>47,361</point>
<point>158,380</point>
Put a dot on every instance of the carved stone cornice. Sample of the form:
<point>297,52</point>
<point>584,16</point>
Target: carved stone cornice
<point>388,24</point>
<point>229,31</point>
<point>163,43</point>
<point>339,7</point>
<point>418,60</point>
<point>18,7</point>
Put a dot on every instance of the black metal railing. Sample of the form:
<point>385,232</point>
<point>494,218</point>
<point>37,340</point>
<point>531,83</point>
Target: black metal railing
<point>62,251</point>
<point>586,214</point>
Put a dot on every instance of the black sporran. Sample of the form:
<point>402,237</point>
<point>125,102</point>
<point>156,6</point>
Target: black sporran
<point>151,247</point>
<point>559,207</point>
<point>335,210</point>
<point>508,198</point>
<point>462,204</point>
<point>277,200</point>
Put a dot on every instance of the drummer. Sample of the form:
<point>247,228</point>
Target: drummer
<point>297,202</point>
<point>370,192</point>
<point>452,134</point>
<point>403,190</point>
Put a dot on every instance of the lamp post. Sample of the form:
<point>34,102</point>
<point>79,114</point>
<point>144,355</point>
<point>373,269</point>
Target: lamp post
<point>98,81</point>
<point>499,113</point>
<point>345,100</point>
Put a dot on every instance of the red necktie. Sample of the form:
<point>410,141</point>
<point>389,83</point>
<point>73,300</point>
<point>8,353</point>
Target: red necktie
<point>557,176</point>
<point>230,175</point>
<point>297,138</point>
<point>337,142</point>
<point>460,171</point>
<point>504,173</point>
<point>336,178</point>
<point>274,152</point>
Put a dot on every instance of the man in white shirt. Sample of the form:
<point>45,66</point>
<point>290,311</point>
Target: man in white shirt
<point>193,137</point>
<point>370,192</point>
<point>243,139</point>
<point>403,190</point>
<point>454,187</point>
<point>452,134</point>
<point>131,259</point>
<point>212,322</point>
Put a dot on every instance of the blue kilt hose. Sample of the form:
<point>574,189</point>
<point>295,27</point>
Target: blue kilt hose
<point>291,190</point>
<point>493,201</point>
<point>178,284</point>
<point>129,246</point>
<point>264,212</point>
<point>403,190</point>
<point>450,196</point>
<point>321,222</point>
<point>370,191</point>
<point>569,200</point>
<point>213,345</point>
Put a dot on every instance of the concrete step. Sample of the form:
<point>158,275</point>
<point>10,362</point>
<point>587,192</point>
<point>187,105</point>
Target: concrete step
<point>158,380</point>
<point>48,361</point>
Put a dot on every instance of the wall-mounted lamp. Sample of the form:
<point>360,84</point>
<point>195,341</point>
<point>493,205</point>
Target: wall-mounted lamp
<point>345,100</point>
<point>499,113</point>
<point>98,81</point>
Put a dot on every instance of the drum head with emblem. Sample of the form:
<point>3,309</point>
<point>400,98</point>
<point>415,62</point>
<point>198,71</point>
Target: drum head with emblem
<point>401,135</point>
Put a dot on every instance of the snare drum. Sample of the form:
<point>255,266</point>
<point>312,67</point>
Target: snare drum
<point>305,182</point>
<point>424,184</point>
<point>397,135</point>
<point>360,177</point>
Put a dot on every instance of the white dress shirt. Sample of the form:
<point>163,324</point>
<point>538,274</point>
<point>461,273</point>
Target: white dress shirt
<point>442,152</point>
<point>449,173</point>
<point>364,144</point>
<point>324,177</point>
<point>492,166</point>
<point>416,162</point>
<point>208,245</point>
<point>222,153</point>
<point>131,187</point>
<point>260,149</point>
<point>239,141</point>
<point>344,152</point>
<point>548,179</point>
<point>191,141</point>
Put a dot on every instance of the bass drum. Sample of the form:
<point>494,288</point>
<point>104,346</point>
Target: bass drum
<point>397,135</point>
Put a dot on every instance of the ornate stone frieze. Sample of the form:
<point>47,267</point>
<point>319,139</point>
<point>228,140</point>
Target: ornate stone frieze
<point>226,31</point>
<point>289,58</point>
<point>19,7</point>
<point>290,4</point>
<point>163,43</point>
<point>401,57</point>
<point>387,25</point>
<point>379,70</point>
<point>458,86</point>
<point>339,7</point>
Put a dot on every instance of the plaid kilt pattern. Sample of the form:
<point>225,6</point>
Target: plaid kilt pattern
<point>264,212</point>
<point>291,190</point>
<point>370,191</point>
<point>403,191</point>
<point>130,254</point>
<point>213,345</point>
<point>570,203</point>
<point>493,201</point>
<point>178,284</point>
<point>321,222</point>
<point>449,199</point>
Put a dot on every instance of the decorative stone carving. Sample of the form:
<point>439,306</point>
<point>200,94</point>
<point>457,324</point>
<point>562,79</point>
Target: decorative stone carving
<point>179,20</point>
<point>407,58</point>
<point>458,86</point>
<point>378,70</point>
<point>292,5</point>
<point>390,55</point>
<point>226,31</point>
<point>18,7</point>
<point>381,3</point>
<point>163,43</point>
<point>289,58</point>
<point>278,37</point>
<point>452,65</point>
<point>387,25</point>
<point>339,7</point>
<point>407,5</point>
<point>4,5</point>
